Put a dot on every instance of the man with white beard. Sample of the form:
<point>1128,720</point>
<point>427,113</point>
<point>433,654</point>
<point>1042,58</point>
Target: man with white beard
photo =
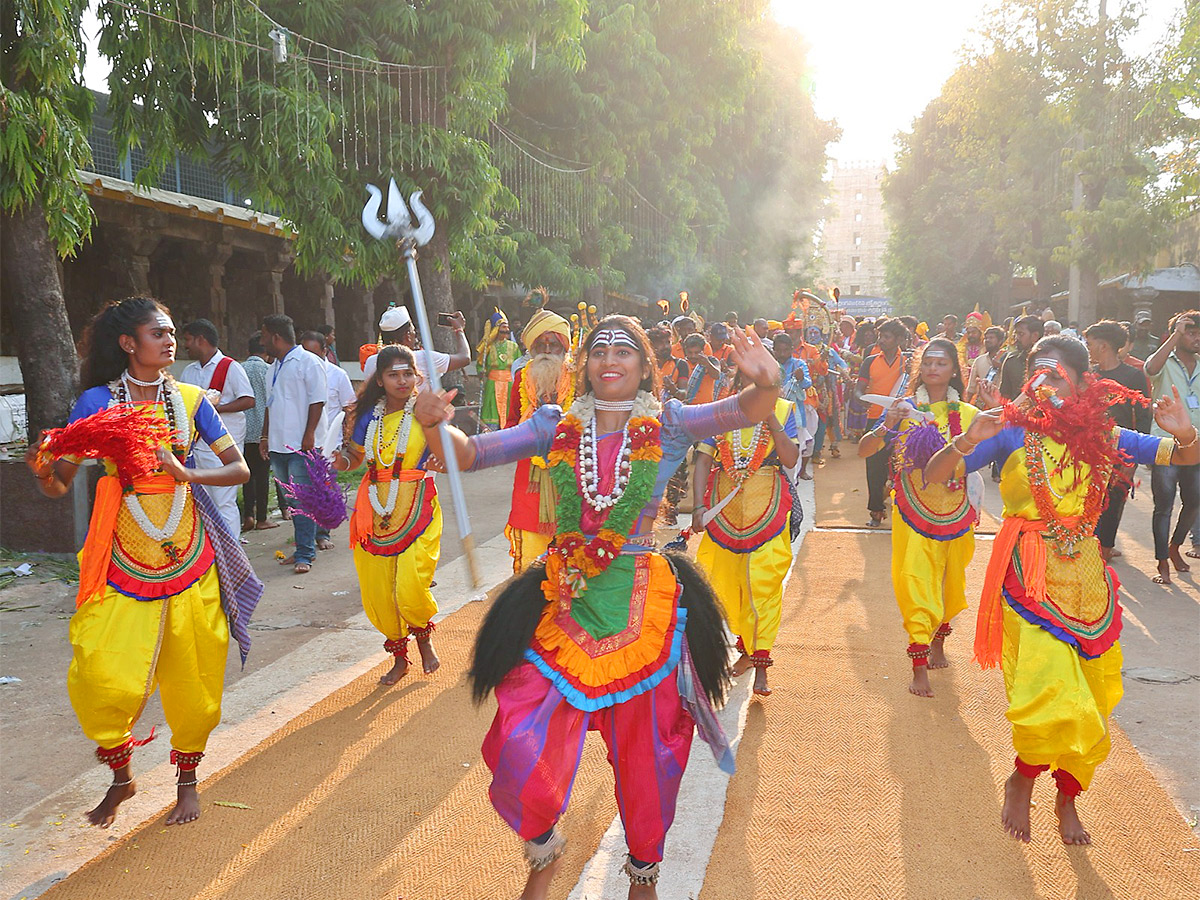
<point>547,377</point>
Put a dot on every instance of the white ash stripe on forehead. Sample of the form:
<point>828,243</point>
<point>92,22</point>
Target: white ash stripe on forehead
<point>1045,362</point>
<point>162,321</point>
<point>935,353</point>
<point>611,337</point>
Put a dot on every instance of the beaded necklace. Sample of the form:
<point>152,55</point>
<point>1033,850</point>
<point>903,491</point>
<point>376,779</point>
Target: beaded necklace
<point>376,450</point>
<point>176,413</point>
<point>740,460</point>
<point>1063,536</point>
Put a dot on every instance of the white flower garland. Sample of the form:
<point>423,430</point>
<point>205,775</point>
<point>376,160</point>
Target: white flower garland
<point>119,391</point>
<point>742,454</point>
<point>922,395</point>
<point>376,449</point>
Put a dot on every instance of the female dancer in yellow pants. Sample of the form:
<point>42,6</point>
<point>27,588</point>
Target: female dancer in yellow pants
<point>1049,615</point>
<point>746,548</point>
<point>396,529</point>
<point>933,533</point>
<point>149,610</point>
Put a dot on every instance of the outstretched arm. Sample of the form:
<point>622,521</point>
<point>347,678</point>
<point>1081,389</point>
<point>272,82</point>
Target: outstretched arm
<point>434,409</point>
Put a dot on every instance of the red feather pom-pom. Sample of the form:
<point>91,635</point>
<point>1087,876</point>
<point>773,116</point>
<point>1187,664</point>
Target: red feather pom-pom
<point>129,435</point>
<point>1081,423</point>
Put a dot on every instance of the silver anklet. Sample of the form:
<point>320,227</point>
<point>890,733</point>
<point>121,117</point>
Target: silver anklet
<point>191,783</point>
<point>640,875</point>
<point>121,783</point>
<point>540,856</point>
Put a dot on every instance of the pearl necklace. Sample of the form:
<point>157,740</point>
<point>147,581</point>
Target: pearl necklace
<point>743,454</point>
<point>589,468</point>
<point>613,405</point>
<point>176,410</point>
<point>375,442</point>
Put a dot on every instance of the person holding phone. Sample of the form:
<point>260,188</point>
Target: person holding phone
<point>396,327</point>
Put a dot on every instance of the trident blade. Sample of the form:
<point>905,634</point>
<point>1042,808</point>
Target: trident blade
<point>424,229</point>
<point>370,214</point>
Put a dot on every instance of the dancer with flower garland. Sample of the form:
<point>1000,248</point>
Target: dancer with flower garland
<point>1050,614</point>
<point>162,582</point>
<point>396,529</point>
<point>607,634</point>
<point>933,533</point>
<point>746,548</point>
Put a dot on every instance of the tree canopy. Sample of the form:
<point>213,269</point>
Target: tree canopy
<point>1047,104</point>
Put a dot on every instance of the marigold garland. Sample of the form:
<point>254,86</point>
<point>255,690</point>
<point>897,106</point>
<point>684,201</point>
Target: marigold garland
<point>583,558</point>
<point>762,445</point>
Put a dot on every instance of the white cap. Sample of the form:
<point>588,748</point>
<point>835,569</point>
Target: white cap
<point>394,318</point>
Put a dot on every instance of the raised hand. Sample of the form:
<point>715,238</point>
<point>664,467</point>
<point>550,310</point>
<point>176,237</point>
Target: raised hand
<point>985,425</point>
<point>1172,416</point>
<point>988,395</point>
<point>432,409</point>
<point>753,360</point>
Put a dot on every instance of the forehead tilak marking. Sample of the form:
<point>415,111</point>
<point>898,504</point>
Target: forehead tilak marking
<point>614,336</point>
<point>936,353</point>
<point>162,321</point>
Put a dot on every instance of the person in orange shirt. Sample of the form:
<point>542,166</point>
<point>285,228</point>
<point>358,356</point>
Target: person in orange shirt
<point>684,326</point>
<point>882,373</point>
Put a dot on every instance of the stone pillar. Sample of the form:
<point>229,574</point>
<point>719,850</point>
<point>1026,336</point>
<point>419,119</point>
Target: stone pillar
<point>133,245</point>
<point>217,256</point>
<point>327,299</point>
<point>277,263</point>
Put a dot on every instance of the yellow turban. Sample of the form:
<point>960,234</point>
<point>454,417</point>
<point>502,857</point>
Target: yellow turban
<point>546,322</point>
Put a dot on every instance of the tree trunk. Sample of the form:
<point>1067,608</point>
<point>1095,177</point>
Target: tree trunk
<point>33,292</point>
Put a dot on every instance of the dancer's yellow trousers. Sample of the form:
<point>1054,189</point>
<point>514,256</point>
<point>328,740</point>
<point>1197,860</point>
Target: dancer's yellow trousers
<point>929,578</point>
<point>525,546</point>
<point>1058,702</point>
<point>750,586</point>
<point>395,590</point>
<point>123,648</point>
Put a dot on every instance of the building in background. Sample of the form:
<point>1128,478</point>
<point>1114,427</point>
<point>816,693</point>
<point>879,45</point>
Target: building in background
<point>855,233</point>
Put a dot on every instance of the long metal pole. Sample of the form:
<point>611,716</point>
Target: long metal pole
<point>458,498</point>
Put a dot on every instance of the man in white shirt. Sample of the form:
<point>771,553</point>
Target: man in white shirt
<point>395,327</point>
<point>229,390</point>
<point>341,394</point>
<point>993,340</point>
<point>296,394</point>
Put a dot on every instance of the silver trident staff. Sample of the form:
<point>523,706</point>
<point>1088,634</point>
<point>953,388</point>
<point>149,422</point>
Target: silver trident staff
<point>399,227</point>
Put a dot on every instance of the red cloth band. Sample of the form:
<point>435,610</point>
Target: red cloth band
<point>186,762</point>
<point>397,647</point>
<point>116,757</point>
<point>1068,784</point>
<point>1027,770</point>
<point>421,633</point>
<point>919,654</point>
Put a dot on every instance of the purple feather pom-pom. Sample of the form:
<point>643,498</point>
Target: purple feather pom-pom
<point>323,501</point>
<point>921,442</point>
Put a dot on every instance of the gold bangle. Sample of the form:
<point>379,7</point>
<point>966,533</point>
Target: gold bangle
<point>1194,441</point>
<point>959,450</point>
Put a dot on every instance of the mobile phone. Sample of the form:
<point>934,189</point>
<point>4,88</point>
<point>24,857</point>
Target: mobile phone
<point>446,320</point>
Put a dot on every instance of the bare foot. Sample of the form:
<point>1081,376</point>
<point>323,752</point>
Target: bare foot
<point>265,525</point>
<point>1106,553</point>
<point>1069,826</point>
<point>1164,572</point>
<point>324,544</point>
<point>537,885</point>
<point>1177,559</point>
<point>302,568</point>
<point>290,561</point>
<point>760,685</point>
<point>937,654</point>
<point>398,670</point>
<point>106,811</point>
<point>804,474</point>
<point>1014,815</point>
<point>740,665</point>
<point>920,683</point>
<point>187,805</point>
<point>429,657</point>
<point>642,892</point>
